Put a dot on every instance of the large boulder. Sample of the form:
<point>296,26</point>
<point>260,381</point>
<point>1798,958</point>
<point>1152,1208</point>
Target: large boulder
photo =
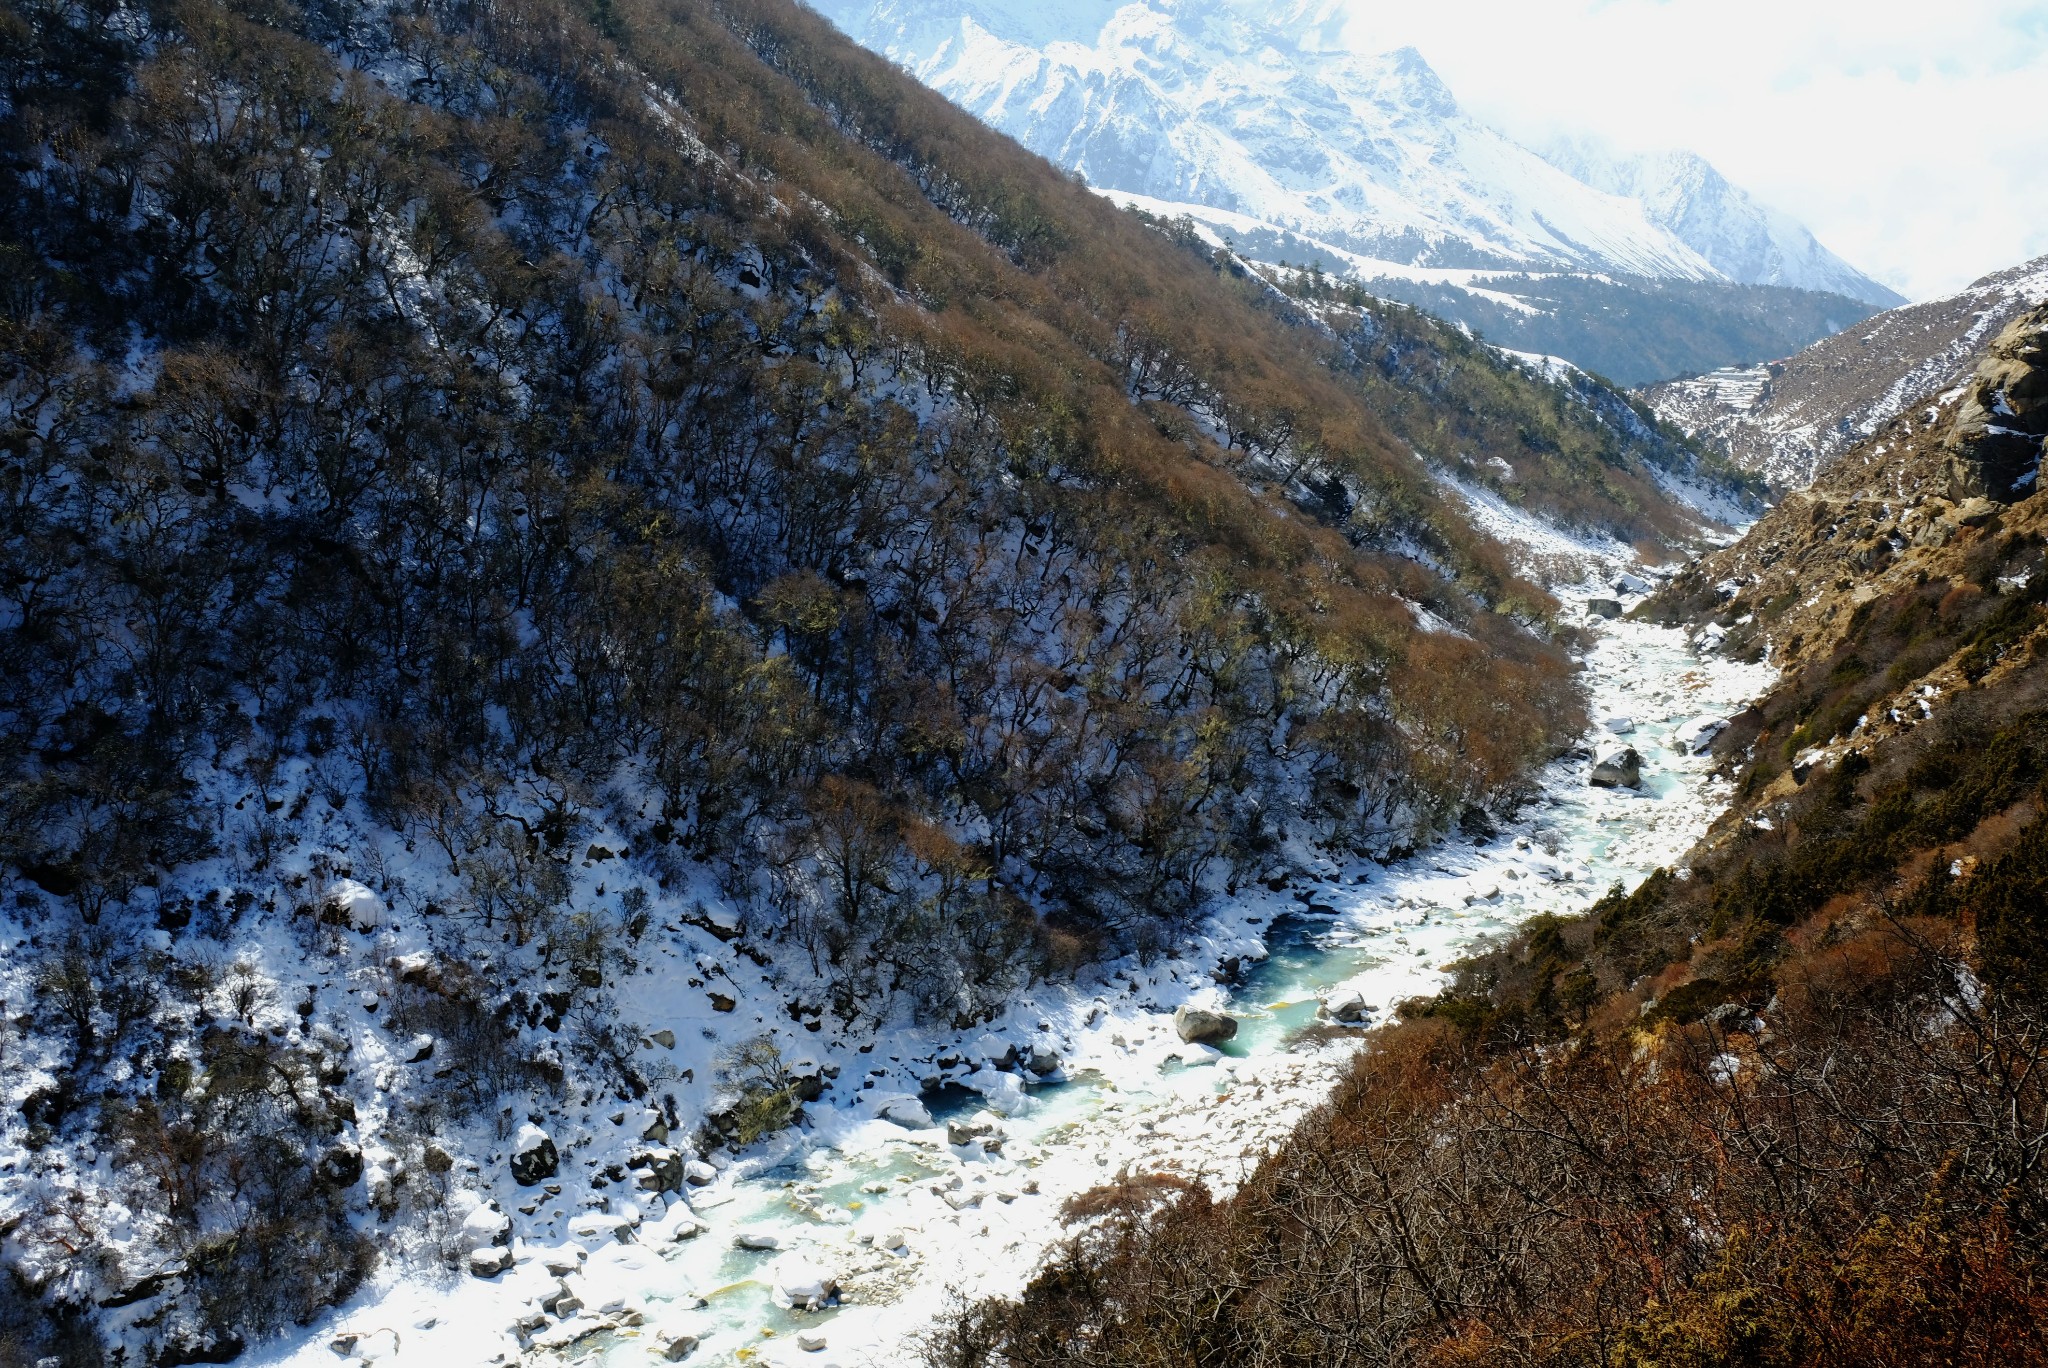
<point>981,1125</point>
<point>805,1077</point>
<point>490,1261</point>
<point>674,1346</point>
<point>1976,512</point>
<point>995,1052</point>
<point>1345,1006</point>
<point>905,1111</point>
<point>340,1166</point>
<point>486,1226</point>
<point>534,1159</point>
<point>1604,607</point>
<point>1618,768</point>
<point>659,1169</point>
<point>1995,442</point>
<point>1197,1026</point>
<point>605,1227</point>
<point>383,1174</point>
<point>797,1283</point>
<point>1697,736</point>
<point>1001,1092</point>
<point>352,904</point>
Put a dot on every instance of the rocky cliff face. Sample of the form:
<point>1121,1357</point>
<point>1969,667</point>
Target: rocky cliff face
<point>1788,419</point>
<point>1994,444</point>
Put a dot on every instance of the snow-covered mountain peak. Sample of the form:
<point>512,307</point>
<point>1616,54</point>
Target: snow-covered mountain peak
<point>1742,238</point>
<point>1402,80</point>
<point>1262,110</point>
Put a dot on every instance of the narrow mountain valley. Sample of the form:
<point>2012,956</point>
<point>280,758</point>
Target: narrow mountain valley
<point>662,701</point>
<point>567,575</point>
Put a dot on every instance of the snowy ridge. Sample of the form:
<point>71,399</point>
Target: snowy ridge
<point>1743,239</point>
<point>1789,419</point>
<point>1253,111</point>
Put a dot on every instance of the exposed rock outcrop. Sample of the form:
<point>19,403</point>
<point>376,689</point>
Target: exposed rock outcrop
<point>1911,505</point>
<point>1995,441</point>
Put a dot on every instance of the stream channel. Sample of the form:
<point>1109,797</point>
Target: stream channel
<point>904,1222</point>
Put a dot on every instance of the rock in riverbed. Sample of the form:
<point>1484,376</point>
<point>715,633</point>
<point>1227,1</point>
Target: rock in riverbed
<point>906,1112</point>
<point>674,1345</point>
<point>1346,1006</point>
<point>799,1283</point>
<point>1697,736</point>
<point>1199,1027</point>
<point>1620,768</point>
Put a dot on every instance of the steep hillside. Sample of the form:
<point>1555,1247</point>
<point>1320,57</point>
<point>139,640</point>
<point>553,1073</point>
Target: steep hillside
<point>1256,122</point>
<point>1786,420</point>
<point>1781,1104</point>
<point>1904,576</point>
<point>1591,458</point>
<point>559,561</point>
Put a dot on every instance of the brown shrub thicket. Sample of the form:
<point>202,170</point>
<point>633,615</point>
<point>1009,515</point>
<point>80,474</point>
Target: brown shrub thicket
<point>1788,1109</point>
<point>1859,1181</point>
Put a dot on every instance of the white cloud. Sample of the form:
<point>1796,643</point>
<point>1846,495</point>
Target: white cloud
<point>1906,133</point>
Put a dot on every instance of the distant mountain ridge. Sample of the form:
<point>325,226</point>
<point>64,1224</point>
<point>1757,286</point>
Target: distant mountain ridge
<point>1743,239</point>
<point>1788,420</point>
<point>1220,105</point>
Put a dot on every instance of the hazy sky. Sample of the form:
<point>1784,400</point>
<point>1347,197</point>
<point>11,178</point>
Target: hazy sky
<point>1909,135</point>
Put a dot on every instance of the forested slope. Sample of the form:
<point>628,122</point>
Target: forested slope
<point>532,470</point>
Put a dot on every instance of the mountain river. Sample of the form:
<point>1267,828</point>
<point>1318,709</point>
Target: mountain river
<point>904,1221</point>
<point>887,1222</point>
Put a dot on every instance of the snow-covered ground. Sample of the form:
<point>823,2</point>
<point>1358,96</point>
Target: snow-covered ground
<point>901,1220</point>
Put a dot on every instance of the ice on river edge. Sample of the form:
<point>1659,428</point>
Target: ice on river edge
<point>899,1219</point>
